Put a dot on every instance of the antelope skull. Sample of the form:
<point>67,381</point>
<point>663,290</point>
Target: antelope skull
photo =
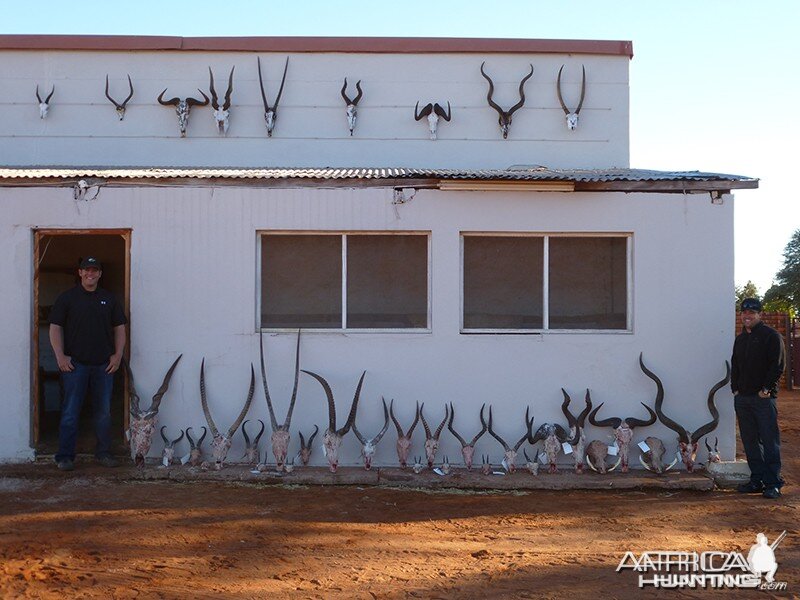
<point>120,108</point>
<point>531,465</point>
<point>432,112</point>
<point>251,454</point>
<point>403,440</point>
<point>168,454</point>
<point>713,455</point>
<point>305,449</point>
<point>195,452</point>
<point>182,108</point>
<point>486,465</point>
<point>623,430</point>
<point>271,114</point>
<point>576,426</point>
<point>352,105</point>
<point>511,452</point>
<point>467,450</point>
<point>432,439</point>
<point>417,466</point>
<point>143,422</point>
<point>221,113</point>
<point>571,116</point>
<point>504,116</point>
<point>44,105</point>
<point>369,445</point>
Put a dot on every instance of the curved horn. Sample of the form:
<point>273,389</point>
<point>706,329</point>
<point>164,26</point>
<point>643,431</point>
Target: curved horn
<point>619,460</point>
<point>202,437</point>
<point>192,445</point>
<point>250,393</point>
<point>214,99</point>
<point>437,108</point>
<point>164,437</point>
<point>525,454</point>
<point>425,423</point>
<point>613,422</point>
<point>344,94</point>
<point>712,424</point>
<point>227,104</point>
<point>426,110</point>
<point>130,85</point>
<point>484,427</point>
<point>441,425</point>
<point>416,420</point>
<point>394,419</point>
<point>360,93</point>
<point>573,422</point>
<point>114,102</point>
<point>644,464</point>
<point>585,412</point>
<point>283,81</point>
<point>331,403</point>
<point>683,435</point>
<point>491,102</point>
<point>561,433</point>
<point>296,380</point>
<point>708,446</point>
<point>506,447</point>
<point>204,402</point>
<point>589,462</point>
<point>313,435</point>
<point>450,426</point>
<point>351,418</point>
<point>583,91</point>
<point>541,433</point>
<point>521,102</point>
<point>180,437</point>
<point>359,436</point>
<point>134,397</point>
<point>164,387</point>
<point>558,91</point>
<point>170,102</point>
<point>272,419</point>
<point>38,98</point>
<point>385,422</point>
<point>642,422</point>
<point>244,433</point>
<point>528,425</point>
<point>195,102</point>
<point>261,84</point>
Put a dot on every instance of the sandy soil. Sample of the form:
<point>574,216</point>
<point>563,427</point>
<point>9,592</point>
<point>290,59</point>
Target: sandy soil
<point>84,536</point>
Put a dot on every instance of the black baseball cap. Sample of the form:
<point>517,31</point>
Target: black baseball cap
<point>91,261</point>
<point>751,304</point>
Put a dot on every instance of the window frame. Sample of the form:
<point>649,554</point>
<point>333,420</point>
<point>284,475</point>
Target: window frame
<point>546,236</point>
<point>260,234</point>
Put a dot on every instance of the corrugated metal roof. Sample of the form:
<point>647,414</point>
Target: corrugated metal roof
<point>512,174</point>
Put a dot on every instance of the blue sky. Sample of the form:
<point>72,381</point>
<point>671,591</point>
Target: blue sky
<point>713,83</point>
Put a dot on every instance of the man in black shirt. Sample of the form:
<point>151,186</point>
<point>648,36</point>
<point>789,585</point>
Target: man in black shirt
<point>756,367</point>
<point>87,332</point>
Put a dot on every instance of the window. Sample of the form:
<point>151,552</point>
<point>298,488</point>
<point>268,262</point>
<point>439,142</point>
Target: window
<point>523,283</point>
<point>344,281</point>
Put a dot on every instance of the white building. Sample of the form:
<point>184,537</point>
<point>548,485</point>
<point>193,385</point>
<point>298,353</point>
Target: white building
<point>471,269</point>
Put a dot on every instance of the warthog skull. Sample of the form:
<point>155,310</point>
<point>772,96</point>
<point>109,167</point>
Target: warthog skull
<point>596,453</point>
<point>653,459</point>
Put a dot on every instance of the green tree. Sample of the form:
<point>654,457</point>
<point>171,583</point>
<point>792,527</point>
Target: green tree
<point>748,290</point>
<point>785,292</point>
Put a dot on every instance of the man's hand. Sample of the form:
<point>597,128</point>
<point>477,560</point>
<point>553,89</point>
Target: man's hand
<point>65,364</point>
<point>113,363</point>
<point>763,394</point>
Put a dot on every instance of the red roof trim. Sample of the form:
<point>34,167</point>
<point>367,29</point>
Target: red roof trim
<point>315,44</point>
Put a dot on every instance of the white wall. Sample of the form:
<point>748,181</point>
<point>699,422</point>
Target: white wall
<point>82,127</point>
<point>193,290</point>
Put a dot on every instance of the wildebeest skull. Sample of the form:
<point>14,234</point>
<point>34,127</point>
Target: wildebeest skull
<point>120,108</point>
<point>271,114</point>
<point>352,105</point>
<point>623,430</point>
<point>504,116</point>
<point>182,108</point>
<point>221,113</point>
<point>572,116</point>
<point>44,105</point>
<point>553,435</point>
<point>143,422</point>
<point>433,112</point>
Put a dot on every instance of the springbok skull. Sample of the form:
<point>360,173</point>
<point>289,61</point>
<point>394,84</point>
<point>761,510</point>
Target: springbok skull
<point>368,446</point>
<point>403,440</point>
<point>432,439</point>
<point>445,466</point>
<point>553,435</point>
<point>623,429</point>
<point>467,450</point>
<point>143,422</point>
<point>511,453</point>
<point>417,466</point>
<point>688,441</point>
<point>332,438</point>
<point>44,105</point>
<point>120,108</point>
<point>572,116</point>
<point>486,465</point>
<point>531,465</point>
<point>222,113</point>
<point>221,443</point>
<point>251,454</point>
<point>271,114</point>
<point>280,433</point>
<point>576,425</point>
<point>653,459</point>
<point>196,451</point>
<point>596,453</point>
<point>182,107</point>
<point>713,455</point>
<point>305,449</point>
<point>168,454</point>
<point>433,112</point>
<point>352,105</point>
<point>504,118</point>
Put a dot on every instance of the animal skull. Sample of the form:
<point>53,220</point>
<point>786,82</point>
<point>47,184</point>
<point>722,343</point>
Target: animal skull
<point>305,449</point>
<point>196,452</point>
<point>251,454</point>
<point>352,105</point>
<point>532,466</point>
<point>572,117</point>
<point>623,430</point>
<point>486,466</point>
<point>120,108</point>
<point>713,455</point>
<point>403,441</point>
<point>596,453</point>
<point>432,439</point>
<point>576,426</point>
<point>511,452</point>
<point>168,454</point>
<point>655,456</point>
<point>44,105</point>
<point>271,114</point>
<point>432,112</point>
<point>467,450</point>
<point>221,113</point>
<point>504,118</point>
<point>369,445</point>
<point>417,466</point>
<point>182,108</point>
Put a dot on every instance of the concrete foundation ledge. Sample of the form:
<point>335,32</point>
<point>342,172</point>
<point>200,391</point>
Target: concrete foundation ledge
<point>729,474</point>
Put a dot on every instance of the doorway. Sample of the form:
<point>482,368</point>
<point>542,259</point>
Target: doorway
<point>57,254</point>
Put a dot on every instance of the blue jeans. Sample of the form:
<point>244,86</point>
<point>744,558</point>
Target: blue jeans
<point>83,378</point>
<point>758,428</point>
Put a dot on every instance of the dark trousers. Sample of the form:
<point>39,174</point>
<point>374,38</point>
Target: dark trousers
<point>758,428</point>
<point>83,378</point>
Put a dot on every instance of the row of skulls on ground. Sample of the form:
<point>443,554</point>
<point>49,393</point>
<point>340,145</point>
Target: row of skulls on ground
<point>555,437</point>
<point>432,111</point>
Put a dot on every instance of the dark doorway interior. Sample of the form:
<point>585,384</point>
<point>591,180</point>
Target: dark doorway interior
<point>59,255</point>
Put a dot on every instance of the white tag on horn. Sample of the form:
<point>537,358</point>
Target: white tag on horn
<point>165,461</point>
<point>543,458</point>
<point>566,447</point>
<point>613,449</point>
<point>185,458</point>
<point>643,445</point>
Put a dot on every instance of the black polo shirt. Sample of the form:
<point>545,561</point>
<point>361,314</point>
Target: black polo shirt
<point>757,361</point>
<point>88,319</point>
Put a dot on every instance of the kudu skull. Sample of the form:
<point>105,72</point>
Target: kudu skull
<point>182,107</point>
<point>571,116</point>
<point>688,441</point>
<point>44,105</point>
<point>504,116</point>
<point>271,114</point>
<point>120,107</point>
<point>352,105</point>
<point>467,449</point>
<point>221,113</point>
<point>369,445</point>
<point>280,433</point>
<point>433,112</point>
<point>403,440</point>
<point>221,442</point>
<point>143,422</point>
<point>332,438</point>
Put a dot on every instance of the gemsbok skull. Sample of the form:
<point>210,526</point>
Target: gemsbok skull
<point>433,112</point>
<point>504,118</point>
<point>572,116</point>
<point>221,113</point>
<point>280,433</point>
<point>120,107</point>
<point>271,114</point>
<point>352,105</point>
<point>369,445</point>
<point>510,454</point>
<point>182,107</point>
<point>44,105</point>
<point>332,438</point>
<point>467,449</point>
<point>688,441</point>
<point>143,422</point>
<point>403,440</point>
<point>221,442</point>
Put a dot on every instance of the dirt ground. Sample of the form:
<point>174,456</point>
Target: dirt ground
<point>81,535</point>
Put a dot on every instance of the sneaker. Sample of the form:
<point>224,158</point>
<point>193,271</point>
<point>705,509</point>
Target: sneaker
<point>750,488</point>
<point>108,461</point>
<point>772,493</point>
<point>65,465</point>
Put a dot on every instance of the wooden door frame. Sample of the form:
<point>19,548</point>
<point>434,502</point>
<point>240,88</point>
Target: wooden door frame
<point>38,234</point>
